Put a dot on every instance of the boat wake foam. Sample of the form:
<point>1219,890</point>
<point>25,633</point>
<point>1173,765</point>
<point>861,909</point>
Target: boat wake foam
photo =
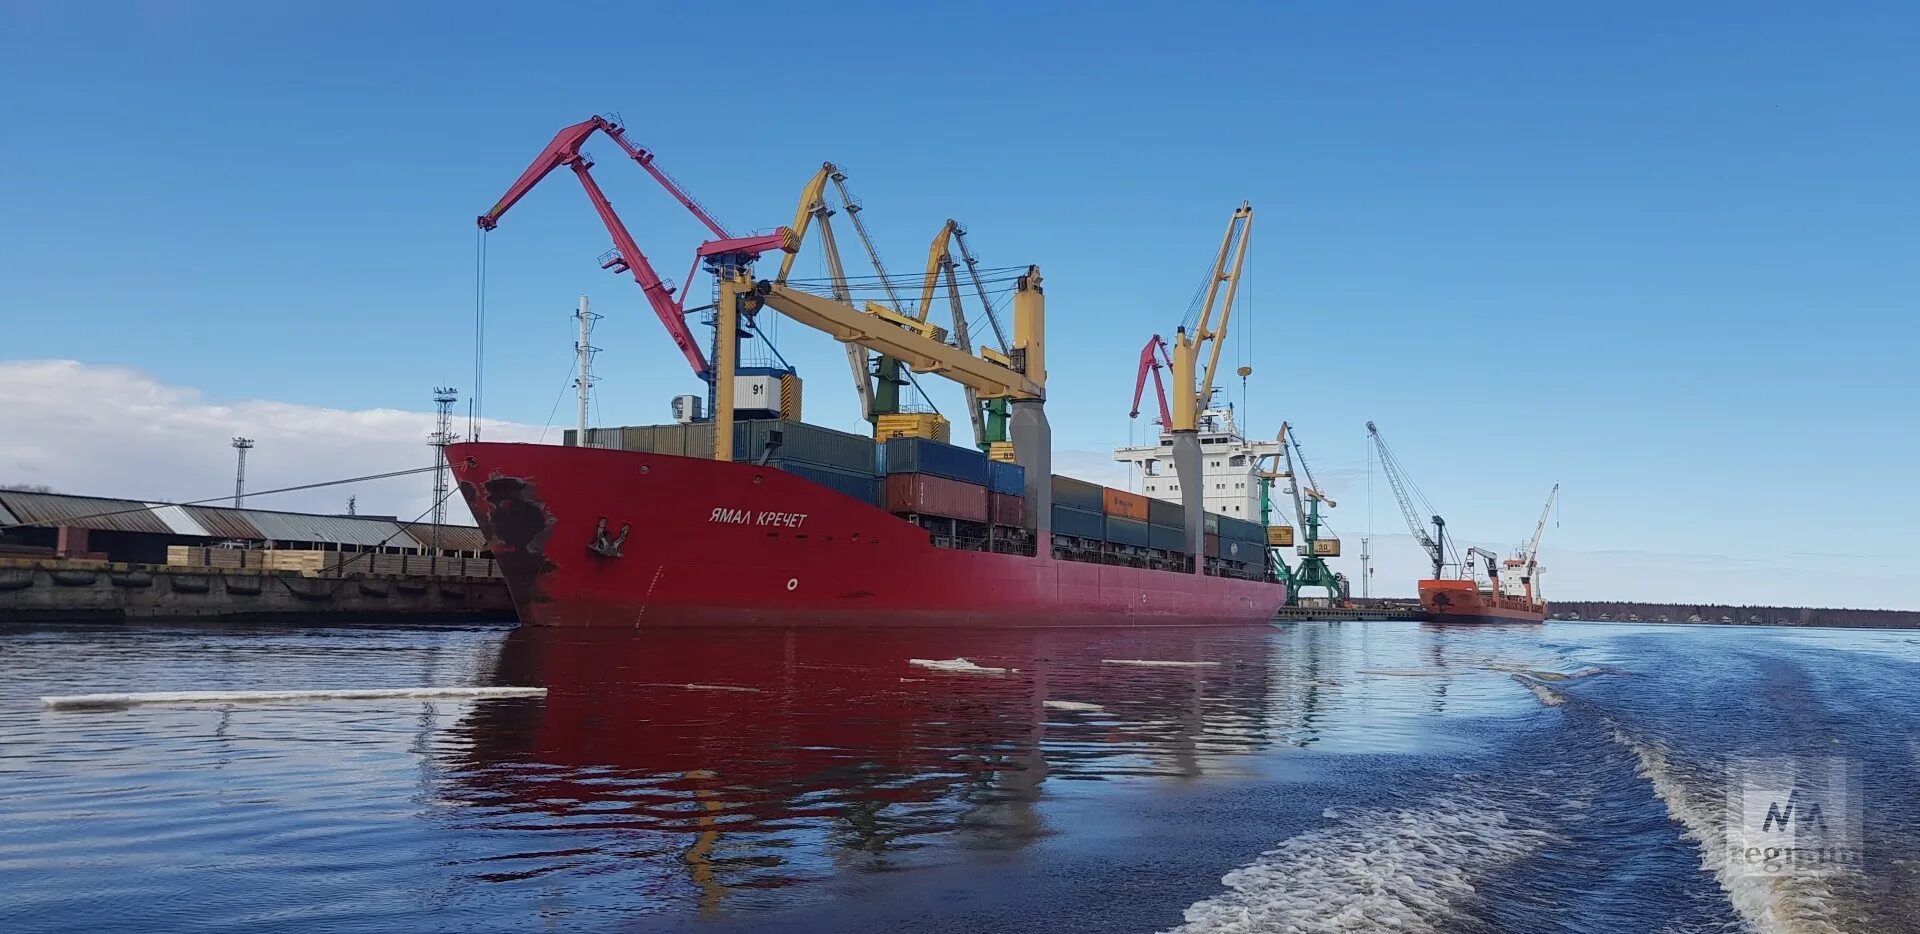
<point>1373,869</point>
<point>1694,798</point>
<point>1786,904</point>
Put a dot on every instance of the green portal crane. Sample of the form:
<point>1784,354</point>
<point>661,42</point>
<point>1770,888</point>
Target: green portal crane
<point>1319,543</point>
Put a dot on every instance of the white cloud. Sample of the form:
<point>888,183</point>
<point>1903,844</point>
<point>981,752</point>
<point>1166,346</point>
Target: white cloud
<point>109,431</point>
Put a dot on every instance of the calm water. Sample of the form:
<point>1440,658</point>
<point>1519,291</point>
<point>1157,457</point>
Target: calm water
<point>1304,777</point>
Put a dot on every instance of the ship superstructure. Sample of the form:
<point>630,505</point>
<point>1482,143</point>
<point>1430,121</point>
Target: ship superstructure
<point>1229,461</point>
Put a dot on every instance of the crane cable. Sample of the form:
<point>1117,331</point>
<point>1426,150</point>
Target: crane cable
<point>479,333</point>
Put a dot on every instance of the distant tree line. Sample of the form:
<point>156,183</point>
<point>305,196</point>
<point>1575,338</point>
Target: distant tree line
<point>1745,615</point>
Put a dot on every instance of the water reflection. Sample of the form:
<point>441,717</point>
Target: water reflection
<point>765,757</point>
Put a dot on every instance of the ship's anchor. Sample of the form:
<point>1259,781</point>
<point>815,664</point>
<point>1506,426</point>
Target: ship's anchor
<point>608,547</point>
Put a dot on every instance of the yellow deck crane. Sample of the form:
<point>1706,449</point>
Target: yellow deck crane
<point>1192,384</point>
<point>989,417</point>
<point>880,398</point>
<point>1020,379</point>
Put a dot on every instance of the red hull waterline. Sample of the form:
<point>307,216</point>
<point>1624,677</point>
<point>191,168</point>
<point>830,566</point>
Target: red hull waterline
<point>689,541</point>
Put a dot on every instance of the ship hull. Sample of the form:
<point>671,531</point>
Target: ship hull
<point>1461,602</point>
<point>600,538</point>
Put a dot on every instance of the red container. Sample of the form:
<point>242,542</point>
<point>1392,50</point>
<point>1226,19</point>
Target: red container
<point>1007,509</point>
<point>1213,544</point>
<point>928,495</point>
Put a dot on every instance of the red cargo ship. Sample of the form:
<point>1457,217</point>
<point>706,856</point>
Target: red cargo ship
<point>596,537</point>
<point>1462,601</point>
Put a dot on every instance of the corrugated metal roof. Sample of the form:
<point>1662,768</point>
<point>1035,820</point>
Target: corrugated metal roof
<point>223,523</point>
<point>125,515</point>
<point>345,530</point>
<point>452,537</point>
<point>85,512</point>
<point>177,519</point>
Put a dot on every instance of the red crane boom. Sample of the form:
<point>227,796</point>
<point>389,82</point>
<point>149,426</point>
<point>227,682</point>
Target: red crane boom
<point>627,256</point>
<point>1150,362</point>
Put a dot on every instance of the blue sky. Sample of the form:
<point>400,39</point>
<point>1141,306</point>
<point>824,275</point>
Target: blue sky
<point>1662,254</point>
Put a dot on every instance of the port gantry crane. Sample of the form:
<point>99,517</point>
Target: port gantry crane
<point>815,208</point>
<point>1192,383</point>
<point>1436,545</point>
<point>1317,546</point>
<point>1020,376</point>
<point>989,416</point>
<point>626,255</point>
<point>1527,561</point>
<point>727,257</point>
<point>1153,357</point>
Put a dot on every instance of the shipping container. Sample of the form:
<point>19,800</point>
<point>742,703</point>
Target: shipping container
<point>1281,535</point>
<point>1006,509</point>
<point>1213,545</point>
<point>1078,494</point>
<point>1124,504</point>
<point>799,441</point>
<point>1124,531</point>
<point>1241,530</point>
<point>1164,513</point>
<point>1248,552</point>
<point>929,495</point>
<point>854,484</point>
<point>1006,478</point>
<point>1079,523</point>
<point>923,456</point>
<point>913,425</point>
<point>1167,537</point>
<point>1212,521</point>
<point>699,442</point>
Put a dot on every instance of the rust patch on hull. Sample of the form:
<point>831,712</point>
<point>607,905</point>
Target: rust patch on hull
<point>517,525</point>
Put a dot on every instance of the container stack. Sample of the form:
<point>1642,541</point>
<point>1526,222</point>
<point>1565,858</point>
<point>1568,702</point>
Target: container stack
<point>837,460</point>
<point>1006,504</point>
<point>1242,549</point>
<point>1129,535</point>
<point>1079,519</point>
<point>941,488</point>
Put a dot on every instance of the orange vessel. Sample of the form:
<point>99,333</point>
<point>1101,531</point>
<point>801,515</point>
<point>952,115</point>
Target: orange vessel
<point>1462,601</point>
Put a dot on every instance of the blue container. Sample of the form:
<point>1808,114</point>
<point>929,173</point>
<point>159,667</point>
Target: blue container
<point>1167,538</point>
<point>1124,531</point>
<point>925,455</point>
<point>1003,477</point>
<point>855,484</point>
<point>1079,523</point>
<point>1241,530</point>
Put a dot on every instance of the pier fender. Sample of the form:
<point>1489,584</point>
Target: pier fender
<point>16,578</point>
<point>131,579</point>
<point>374,588</point>
<point>311,588</point>
<point>410,586</point>
<point>456,591</point>
<point>244,585</point>
<point>68,577</point>
<point>189,583</point>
